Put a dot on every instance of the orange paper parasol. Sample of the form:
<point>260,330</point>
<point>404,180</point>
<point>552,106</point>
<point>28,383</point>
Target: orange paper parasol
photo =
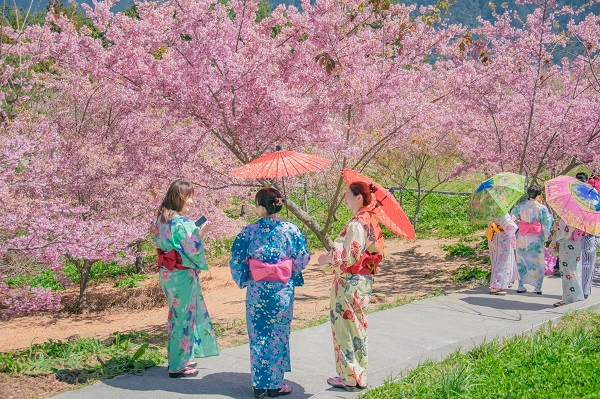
<point>386,208</point>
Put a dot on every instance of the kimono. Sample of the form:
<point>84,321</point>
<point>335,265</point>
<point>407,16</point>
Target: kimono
<point>189,329</point>
<point>350,294</point>
<point>502,252</point>
<point>589,249</point>
<point>569,252</point>
<point>530,247</point>
<point>269,304</point>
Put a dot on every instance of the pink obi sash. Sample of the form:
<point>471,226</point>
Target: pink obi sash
<point>279,272</point>
<point>534,228</point>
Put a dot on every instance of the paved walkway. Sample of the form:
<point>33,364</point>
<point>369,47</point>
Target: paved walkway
<point>399,338</point>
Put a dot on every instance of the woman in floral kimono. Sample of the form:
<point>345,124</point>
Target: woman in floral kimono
<point>354,258</point>
<point>535,225</point>
<point>502,242</point>
<point>267,259</point>
<point>180,258</point>
<point>569,253</point>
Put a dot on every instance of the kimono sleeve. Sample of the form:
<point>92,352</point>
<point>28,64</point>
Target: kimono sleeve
<point>240,268</point>
<point>547,220</point>
<point>508,225</point>
<point>563,232</point>
<point>516,211</point>
<point>348,252</point>
<point>300,256</point>
<point>186,234</point>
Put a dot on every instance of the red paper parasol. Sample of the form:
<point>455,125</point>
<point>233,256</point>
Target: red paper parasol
<point>386,209</point>
<point>280,164</point>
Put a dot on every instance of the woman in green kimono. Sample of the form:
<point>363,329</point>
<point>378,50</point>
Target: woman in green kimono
<point>180,258</point>
<point>353,261</point>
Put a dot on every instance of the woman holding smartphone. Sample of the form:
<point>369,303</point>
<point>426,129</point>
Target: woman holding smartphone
<point>180,259</point>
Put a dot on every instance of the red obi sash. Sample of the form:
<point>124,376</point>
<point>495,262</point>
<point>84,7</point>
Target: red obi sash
<point>365,265</point>
<point>534,228</point>
<point>279,272</point>
<point>170,260</point>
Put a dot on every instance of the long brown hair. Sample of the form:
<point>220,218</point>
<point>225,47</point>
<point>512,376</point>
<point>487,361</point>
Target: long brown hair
<point>179,191</point>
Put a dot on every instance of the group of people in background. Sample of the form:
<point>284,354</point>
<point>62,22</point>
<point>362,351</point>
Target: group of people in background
<point>517,244</point>
<point>268,258</point>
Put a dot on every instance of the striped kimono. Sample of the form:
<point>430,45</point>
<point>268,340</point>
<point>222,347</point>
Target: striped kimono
<point>589,250</point>
<point>569,253</point>
<point>189,327</point>
<point>349,297</point>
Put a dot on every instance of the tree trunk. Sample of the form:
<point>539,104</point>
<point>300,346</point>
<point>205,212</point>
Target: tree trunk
<point>84,270</point>
<point>140,260</point>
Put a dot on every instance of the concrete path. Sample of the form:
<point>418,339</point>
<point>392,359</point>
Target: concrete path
<point>399,338</point>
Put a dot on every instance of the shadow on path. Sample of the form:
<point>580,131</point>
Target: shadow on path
<point>508,304</point>
<point>226,384</point>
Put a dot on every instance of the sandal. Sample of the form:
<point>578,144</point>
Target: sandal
<point>499,292</point>
<point>191,364</point>
<point>559,303</point>
<point>260,393</point>
<point>284,390</point>
<point>185,372</point>
<point>337,382</point>
<point>521,291</point>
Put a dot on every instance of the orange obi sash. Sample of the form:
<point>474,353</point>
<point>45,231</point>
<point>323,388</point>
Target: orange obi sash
<point>493,229</point>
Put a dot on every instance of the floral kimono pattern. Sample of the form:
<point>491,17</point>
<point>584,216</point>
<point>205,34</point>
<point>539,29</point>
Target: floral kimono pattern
<point>530,247</point>
<point>189,328</point>
<point>349,297</point>
<point>589,250</point>
<point>269,305</point>
<point>502,253</point>
<point>569,253</point>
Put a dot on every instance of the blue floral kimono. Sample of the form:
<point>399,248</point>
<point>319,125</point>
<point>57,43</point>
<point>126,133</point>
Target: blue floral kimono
<point>269,305</point>
<point>189,327</point>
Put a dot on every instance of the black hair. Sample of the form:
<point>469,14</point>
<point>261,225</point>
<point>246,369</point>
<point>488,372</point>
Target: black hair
<point>533,192</point>
<point>271,199</point>
<point>582,176</point>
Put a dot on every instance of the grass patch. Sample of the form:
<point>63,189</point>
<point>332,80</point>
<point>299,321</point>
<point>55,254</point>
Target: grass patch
<point>406,300</point>
<point>555,362</point>
<point>100,271</point>
<point>469,273</point>
<point>459,250</point>
<point>82,360</point>
<point>131,281</point>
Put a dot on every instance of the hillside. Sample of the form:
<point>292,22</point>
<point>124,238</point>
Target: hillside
<point>464,11</point>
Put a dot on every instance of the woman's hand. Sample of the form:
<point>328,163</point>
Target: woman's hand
<point>206,227</point>
<point>326,259</point>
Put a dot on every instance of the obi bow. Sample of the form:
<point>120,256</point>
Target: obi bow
<point>170,260</point>
<point>534,228</point>
<point>493,229</point>
<point>277,272</point>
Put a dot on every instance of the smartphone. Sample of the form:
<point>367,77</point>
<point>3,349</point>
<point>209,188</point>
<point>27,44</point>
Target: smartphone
<point>201,221</point>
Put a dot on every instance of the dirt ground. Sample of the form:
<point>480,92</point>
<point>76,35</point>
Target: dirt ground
<point>410,269</point>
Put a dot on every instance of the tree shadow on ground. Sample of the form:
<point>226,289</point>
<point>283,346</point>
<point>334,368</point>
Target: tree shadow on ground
<point>225,384</point>
<point>504,303</point>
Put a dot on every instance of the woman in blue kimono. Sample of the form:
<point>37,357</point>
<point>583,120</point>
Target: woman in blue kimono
<point>267,259</point>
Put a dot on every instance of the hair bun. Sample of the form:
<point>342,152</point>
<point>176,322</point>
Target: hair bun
<point>278,201</point>
<point>372,188</point>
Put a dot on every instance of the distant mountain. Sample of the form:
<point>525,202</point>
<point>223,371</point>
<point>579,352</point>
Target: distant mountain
<point>464,11</point>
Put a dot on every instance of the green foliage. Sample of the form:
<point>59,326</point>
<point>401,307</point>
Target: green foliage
<point>100,272</point>
<point>459,250</point>
<point>469,272</point>
<point>555,362</point>
<point>264,10</point>
<point>84,359</point>
<point>131,281</point>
